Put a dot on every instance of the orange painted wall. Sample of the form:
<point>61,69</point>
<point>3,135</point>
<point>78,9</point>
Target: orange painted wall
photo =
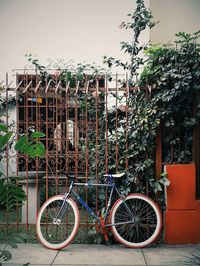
<point>182,215</point>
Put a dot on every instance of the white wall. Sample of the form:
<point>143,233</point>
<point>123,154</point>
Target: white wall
<point>69,29</point>
<point>174,16</point>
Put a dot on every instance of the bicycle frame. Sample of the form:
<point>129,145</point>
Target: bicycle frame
<point>85,205</point>
<point>71,191</point>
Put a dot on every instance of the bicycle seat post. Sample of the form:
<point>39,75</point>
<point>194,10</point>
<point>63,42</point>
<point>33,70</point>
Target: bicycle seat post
<point>110,179</point>
<point>71,186</point>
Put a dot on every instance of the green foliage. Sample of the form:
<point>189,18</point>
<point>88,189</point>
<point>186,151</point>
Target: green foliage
<point>5,255</point>
<point>11,241</point>
<point>173,73</point>
<point>174,77</point>
<point>5,136</point>
<point>31,146</point>
<point>11,192</point>
<point>140,20</point>
<point>159,184</point>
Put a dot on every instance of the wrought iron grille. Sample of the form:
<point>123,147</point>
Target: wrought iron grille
<point>69,115</point>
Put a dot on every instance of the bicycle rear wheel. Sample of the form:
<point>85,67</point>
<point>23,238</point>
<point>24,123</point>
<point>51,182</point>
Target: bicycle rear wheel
<point>57,235</point>
<point>136,221</point>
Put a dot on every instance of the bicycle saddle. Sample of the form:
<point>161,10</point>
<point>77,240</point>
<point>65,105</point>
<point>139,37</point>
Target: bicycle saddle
<point>115,175</point>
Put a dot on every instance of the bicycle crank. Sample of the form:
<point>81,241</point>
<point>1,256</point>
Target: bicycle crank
<point>56,221</point>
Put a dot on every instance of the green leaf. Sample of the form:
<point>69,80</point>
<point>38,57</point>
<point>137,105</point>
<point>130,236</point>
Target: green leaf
<point>5,255</point>
<point>37,135</point>
<point>28,148</point>
<point>19,146</point>
<point>164,174</point>
<point>18,191</point>
<point>3,128</point>
<point>4,139</point>
<point>158,186</point>
<point>165,181</point>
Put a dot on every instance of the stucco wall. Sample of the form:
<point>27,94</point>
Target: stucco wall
<point>174,16</point>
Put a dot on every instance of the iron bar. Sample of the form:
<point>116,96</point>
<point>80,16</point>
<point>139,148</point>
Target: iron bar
<point>29,84</point>
<point>67,87</point>
<point>106,127</point>
<point>7,160</point>
<point>38,85</point>
<point>17,132</point>
<point>147,93</point>
<point>77,86</point>
<point>47,143</point>
<point>86,141</point>
<point>76,135</point>
<point>7,86</point>
<point>57,86</point>
<point>26,125</point>
<point>66,132</point>
<point>47,87</point>
<point>57,141</point>
<point>19,84</point>
<point>106,134</point>
<point>96,148</point>
<point>127,104</point>
<point>37,161</point>
<point>116,123</point>
<point>87,86</point>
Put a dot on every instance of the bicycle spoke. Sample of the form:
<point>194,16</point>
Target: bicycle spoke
<point>57,233</point>
<point>143,224</point>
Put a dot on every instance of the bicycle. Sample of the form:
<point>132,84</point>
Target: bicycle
<point>135,220</point>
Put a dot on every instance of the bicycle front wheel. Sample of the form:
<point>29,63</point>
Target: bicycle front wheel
<point>136,221</point>
<point>57,235</point>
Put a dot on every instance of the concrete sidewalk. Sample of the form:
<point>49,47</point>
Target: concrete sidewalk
<point>99,255</point>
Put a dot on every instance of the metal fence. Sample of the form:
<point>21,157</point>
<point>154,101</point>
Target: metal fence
<point>69,115</point>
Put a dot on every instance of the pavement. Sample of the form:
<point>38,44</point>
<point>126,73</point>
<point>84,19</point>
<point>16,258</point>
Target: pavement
<point>101,255</point>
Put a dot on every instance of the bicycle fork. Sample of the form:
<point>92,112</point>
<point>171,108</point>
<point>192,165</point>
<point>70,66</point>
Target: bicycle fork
<point>57,220</point>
